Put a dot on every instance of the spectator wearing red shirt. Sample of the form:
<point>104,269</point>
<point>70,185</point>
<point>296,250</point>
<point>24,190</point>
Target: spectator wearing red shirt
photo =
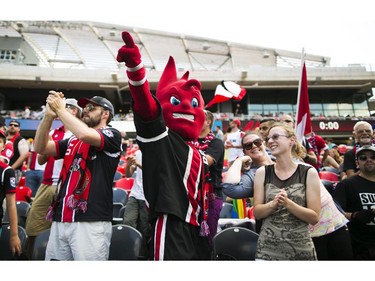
<point>319,146</point>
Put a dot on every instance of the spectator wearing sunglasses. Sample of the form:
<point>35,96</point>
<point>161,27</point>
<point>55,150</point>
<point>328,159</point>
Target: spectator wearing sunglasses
<point>356,196</point>
<point>20,148</point>
<point>239,179</point>
<point>287,199</point>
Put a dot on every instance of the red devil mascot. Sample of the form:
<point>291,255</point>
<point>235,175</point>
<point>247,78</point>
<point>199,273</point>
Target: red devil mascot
<point>168,126</point>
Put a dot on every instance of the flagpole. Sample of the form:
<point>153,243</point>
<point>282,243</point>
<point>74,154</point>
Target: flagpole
<point>299,89</point>
<point>299,96</point>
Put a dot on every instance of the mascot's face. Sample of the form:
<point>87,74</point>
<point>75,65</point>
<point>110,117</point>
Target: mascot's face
<point>182,103</point>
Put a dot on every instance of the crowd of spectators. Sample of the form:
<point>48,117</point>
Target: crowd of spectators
<point>37,114</point>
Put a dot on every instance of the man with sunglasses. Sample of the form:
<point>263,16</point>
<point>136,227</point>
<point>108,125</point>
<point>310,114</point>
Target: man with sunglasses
<point>20,148</point>
<point>356,196</point>
<point>82,211</point>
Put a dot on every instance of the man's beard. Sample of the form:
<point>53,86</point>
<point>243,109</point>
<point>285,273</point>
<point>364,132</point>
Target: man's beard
<point>92,122</point>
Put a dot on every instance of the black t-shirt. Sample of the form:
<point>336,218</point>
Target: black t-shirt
<point>349,161</point>
<point>355,194</point>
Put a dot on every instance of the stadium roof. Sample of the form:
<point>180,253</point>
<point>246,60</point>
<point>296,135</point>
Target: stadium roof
<point>82,56</point>
<point>78,45</point>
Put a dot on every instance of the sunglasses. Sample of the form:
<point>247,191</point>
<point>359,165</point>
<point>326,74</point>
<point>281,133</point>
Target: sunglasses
<point>89,107</point>
<point>275,137</point>
<point>365,157</point>
<point>249,145</point>
<point>13,125</point>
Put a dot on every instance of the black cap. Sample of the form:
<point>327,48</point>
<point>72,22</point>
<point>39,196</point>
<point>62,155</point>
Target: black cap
<point>15,121</point>
<point>103,102</point>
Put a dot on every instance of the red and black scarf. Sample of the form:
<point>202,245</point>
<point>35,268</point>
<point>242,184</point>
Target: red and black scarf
<point>207,189</point>
<point>76,177</point>
<point>203,143</point>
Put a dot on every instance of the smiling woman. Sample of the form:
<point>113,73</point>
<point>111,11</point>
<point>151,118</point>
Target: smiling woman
<point>287,199</point>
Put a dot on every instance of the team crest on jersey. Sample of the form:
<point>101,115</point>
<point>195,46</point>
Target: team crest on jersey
<point>13,181</point>
<point>76,165</point>
<point>108,133</point>
<point>8,153</point>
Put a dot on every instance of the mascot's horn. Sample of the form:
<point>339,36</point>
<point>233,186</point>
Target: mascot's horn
<point>169,75</point>
<point>185,76</point>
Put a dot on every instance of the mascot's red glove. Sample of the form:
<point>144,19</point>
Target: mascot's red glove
<point>181,100</point>
<point>144,103</point>
<point>129,53</point>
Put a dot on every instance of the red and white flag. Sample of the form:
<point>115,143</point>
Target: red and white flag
<point>303,126</point>
<point>225,91</point>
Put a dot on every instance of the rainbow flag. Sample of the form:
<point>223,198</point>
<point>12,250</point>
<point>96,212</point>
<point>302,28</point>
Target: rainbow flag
<point>239,208</point>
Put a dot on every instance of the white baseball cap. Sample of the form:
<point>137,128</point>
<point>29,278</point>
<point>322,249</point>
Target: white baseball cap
<point>74,103</point>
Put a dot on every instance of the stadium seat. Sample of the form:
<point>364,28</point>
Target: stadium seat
<point>120,196</point>
<point>126,243</point>
<point>40,245</point>
<point>22,211</point>
<point>331,169</point>
<point>117,176</point>
<point>122,212</point>
<point>24,193</point>
<point>226,211</point>
<point>329,185</point>
<point>249,224</point>
<point>326,175</point>
<point>5,253</point>
<point>22,181</point>
<point>235,243</point>
<point>116,211</point>
<point>250,212</point>
<point>125,183</point>
<point>121,169</point>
